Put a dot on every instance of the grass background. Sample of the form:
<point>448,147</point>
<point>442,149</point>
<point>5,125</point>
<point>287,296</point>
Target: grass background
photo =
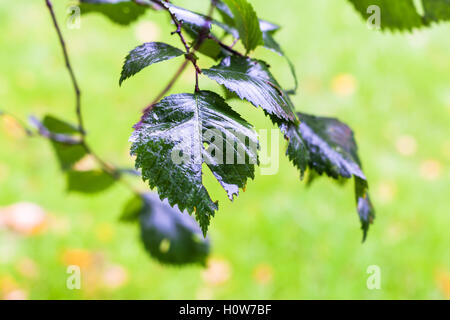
<point>279,239</point>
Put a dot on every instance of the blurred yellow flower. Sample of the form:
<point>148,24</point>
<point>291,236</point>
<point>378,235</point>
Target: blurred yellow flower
<point>406,145</point>
<point>431,169</point>
<point>77,257</point>
<point>344,85</point>
<point>263,274</point>
<point>105,232</point>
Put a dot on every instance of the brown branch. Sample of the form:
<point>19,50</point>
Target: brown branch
<point>106,167</point>
<point>69,68</point>
<point>169,86</point>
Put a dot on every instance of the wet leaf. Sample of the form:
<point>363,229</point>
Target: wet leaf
<point>169,235</point>
<point>246,22</point>
<point>251,80</point>
<point>146,55</point>
<point>182,132</point>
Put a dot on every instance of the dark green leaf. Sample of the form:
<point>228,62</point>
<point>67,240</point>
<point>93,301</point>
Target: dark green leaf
<point>332,146</point>
<point>88,181</point>
<point>332,150</point>
<point>59,126</point>
<point>403,14</point>
<point>365,208</point>
<point>397,14</point>
<point>195,22</point>
<point>132,209</point>
<point>170,142</point>
<point>169,235</point>
<point>246,22</point>
<point>251,80</point>
<point>436,10</point>
<point>296,151</point>
<point>268,30</point>
<point>146,55</point>
<point>67,154</point>
<point>122,12</point>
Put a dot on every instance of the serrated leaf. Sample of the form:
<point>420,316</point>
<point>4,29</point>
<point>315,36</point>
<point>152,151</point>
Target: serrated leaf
<point>268,30</point>
<point>296,151</point>
<point>251,80</point>
<point>246,22</point>
<point>170,145</point>
<point>169,235</point>
<point>89,182</point>
<point>122,12</point>
<point>67,154</point>
<point>332,146</point>
<point>397,14</point>
<point>332,150</point>
<point>403,14</point>
<point>146,55</point>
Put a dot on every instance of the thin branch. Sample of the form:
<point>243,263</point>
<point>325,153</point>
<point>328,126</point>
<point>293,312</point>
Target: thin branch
<point>226,47</point>
<point>190,55</point>
<point>169,86</point>
<point>106,167</point>
<point>57,137</point>
<point>69,68</point>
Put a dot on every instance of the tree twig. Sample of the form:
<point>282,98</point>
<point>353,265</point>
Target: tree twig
<point>69,68</point>
<point>106,167</point>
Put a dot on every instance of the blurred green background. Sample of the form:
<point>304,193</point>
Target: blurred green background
<point>279,239</point>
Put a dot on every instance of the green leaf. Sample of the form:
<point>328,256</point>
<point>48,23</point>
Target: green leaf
<point>246,22</point>
<point>333,151</point>
<point>296,151</point>
<point>146,55</point>
<point>195,22</point>
<point>397,14</point>
<point>90,182</point>
<point>122,12</point>
<point>251,80</point>
<point>436,10</point>
<point>332,146</point>
<point>173,141</point>
<point>169,235</point>
<point>67,154</point>
<point>268,30</point>
<point>365,208</point>
<point>132,209</point>
<point>403,14</point>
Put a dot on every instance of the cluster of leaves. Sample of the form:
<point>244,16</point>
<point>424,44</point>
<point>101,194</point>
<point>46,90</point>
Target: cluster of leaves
<point>319,144</point>
<point>178,122</point>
